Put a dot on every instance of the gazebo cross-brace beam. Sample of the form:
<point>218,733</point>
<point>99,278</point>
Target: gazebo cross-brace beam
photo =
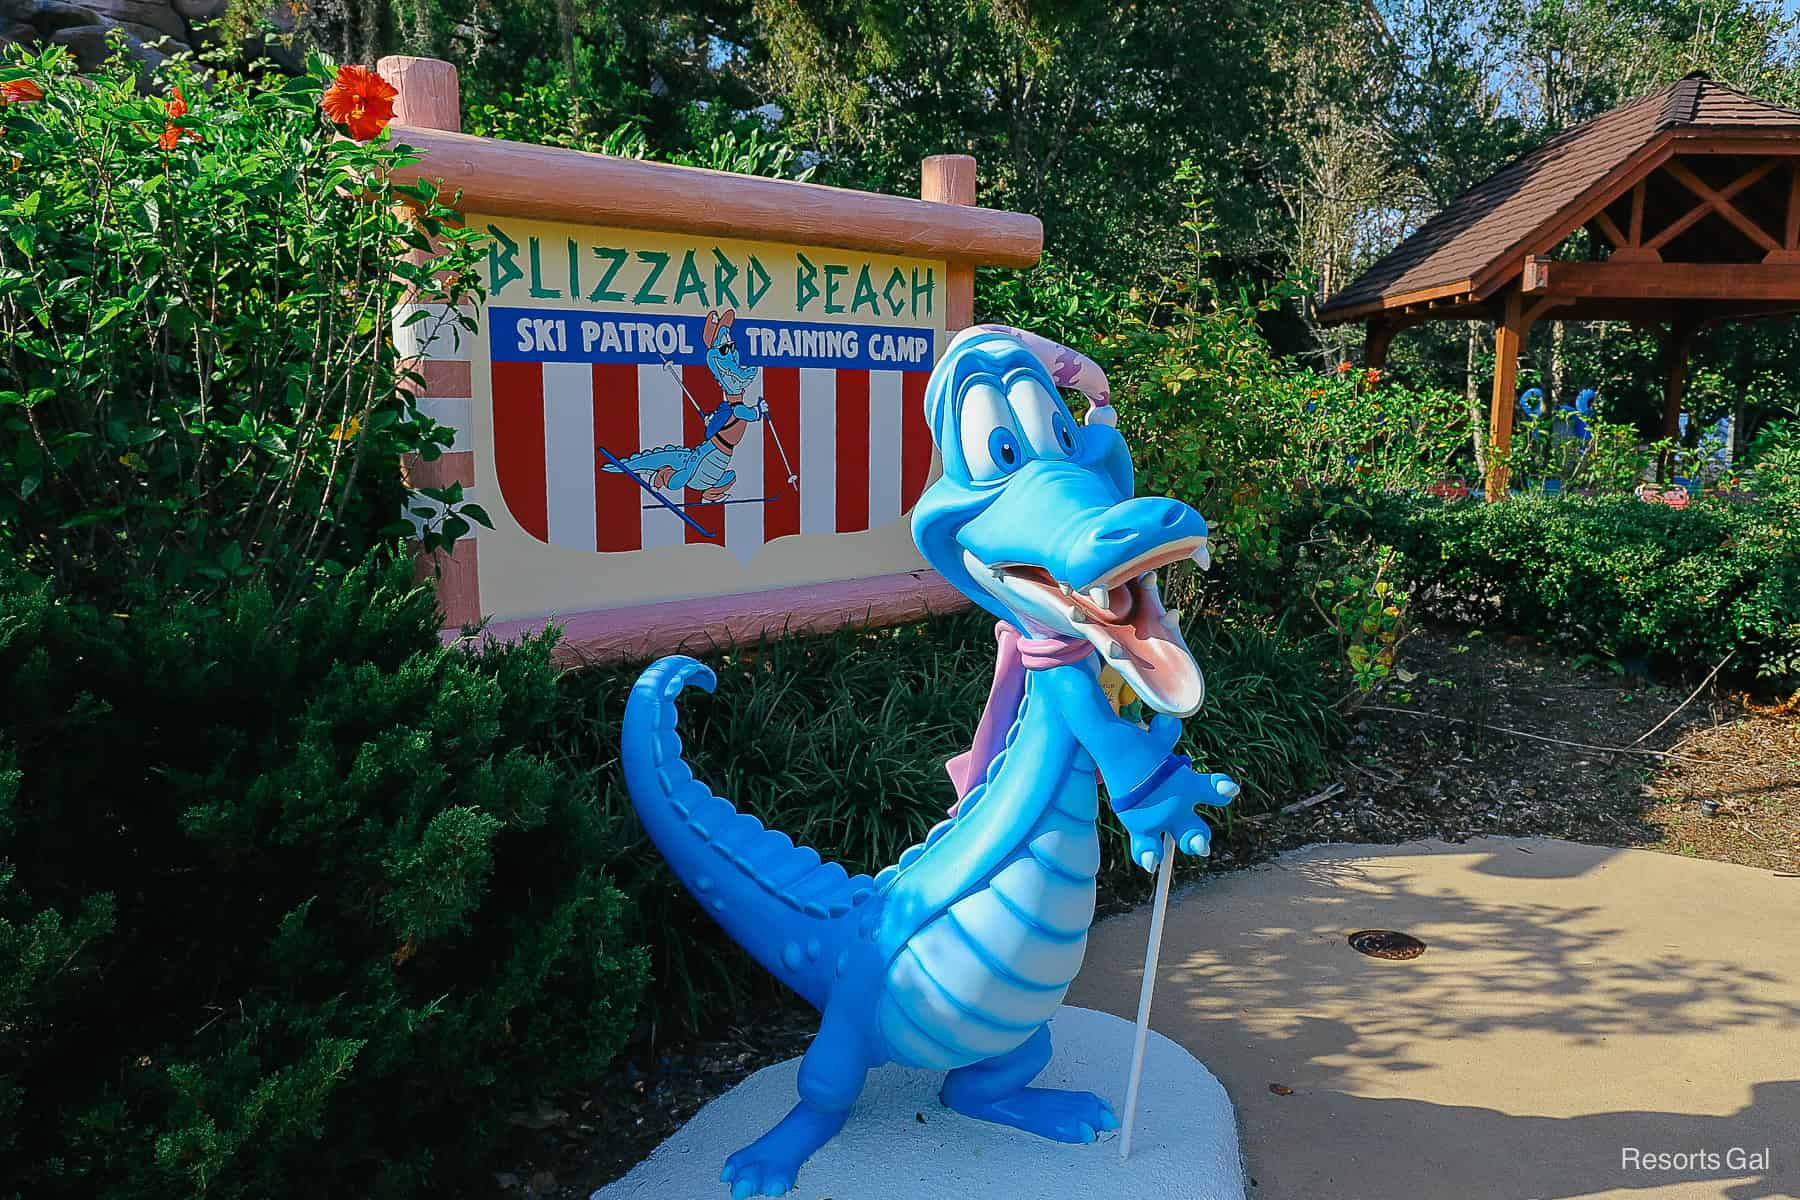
<point>1716,200</point>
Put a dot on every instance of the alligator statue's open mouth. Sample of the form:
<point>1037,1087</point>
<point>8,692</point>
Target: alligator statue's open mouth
<point>1121,613</point>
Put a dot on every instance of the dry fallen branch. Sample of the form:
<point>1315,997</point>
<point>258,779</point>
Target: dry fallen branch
<point>1536,737</point>
<point>1710,676</point>
<point>1335,789</point>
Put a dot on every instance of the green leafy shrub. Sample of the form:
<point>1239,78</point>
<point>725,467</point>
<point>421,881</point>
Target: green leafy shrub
<point>1060,300</point>
<point>1612,459</point>
<point>540,108</point>
<point>1775,460</point>
<point>1215,417</point>
<point>286,910</point>
<point>840,742</point>
<point>1610,574</point>
<point>198,286</point>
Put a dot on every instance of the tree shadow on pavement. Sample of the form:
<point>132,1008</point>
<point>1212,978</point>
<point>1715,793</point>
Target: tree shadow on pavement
<point>1549,1025</point>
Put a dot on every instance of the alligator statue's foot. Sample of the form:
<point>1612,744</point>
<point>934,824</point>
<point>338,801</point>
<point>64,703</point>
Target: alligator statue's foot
<point>994,1090</point>
<point>767,1166</point>
<point>1059,1116</point>
<point>831,1076</point>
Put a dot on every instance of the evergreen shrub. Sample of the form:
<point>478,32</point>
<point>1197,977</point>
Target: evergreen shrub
<point>286,909</point>
<point>1681,588</point>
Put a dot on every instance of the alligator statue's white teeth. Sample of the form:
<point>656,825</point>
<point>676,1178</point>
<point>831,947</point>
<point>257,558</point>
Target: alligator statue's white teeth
<point>1172,620</point>
<point>1203,555</point>
<point>1065,589</point>
<point>1075,615</point>
<point>1099,596</point>
<point>1117,652</point>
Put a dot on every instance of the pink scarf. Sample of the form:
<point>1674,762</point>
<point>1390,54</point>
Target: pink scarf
<point>1017,655</point>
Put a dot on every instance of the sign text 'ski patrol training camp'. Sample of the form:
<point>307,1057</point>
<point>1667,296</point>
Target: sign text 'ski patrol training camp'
<point>669,416</point>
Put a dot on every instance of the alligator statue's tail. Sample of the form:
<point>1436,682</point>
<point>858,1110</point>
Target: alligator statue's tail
<point>653,460</point>
<point>779,901</point>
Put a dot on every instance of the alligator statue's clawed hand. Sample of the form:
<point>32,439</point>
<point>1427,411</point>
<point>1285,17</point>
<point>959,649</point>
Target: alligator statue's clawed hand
<point>1165,802</point>
<point>956,957</point>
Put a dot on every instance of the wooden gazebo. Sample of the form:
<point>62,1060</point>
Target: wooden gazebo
<point>1692,199</point>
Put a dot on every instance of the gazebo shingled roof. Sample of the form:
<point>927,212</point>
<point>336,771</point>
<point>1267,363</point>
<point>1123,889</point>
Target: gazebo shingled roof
<point>1683,196</point>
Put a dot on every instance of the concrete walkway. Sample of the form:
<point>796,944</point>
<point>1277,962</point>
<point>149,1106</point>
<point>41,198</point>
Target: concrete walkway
<point>1575,1004</point>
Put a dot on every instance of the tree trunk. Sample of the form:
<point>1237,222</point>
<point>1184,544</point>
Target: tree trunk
<point>1556,367</point>
<point>1477,408</point>
<point>565,18</point>
<point>370,29</point>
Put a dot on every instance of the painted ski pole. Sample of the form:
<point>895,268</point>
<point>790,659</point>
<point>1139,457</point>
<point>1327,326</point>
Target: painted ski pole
<point>682,384</point>
<point>1152,953</point>
<point>770,419</point>
<point>660,499</point>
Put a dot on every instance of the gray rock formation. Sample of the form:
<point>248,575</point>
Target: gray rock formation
<point>152,29</point>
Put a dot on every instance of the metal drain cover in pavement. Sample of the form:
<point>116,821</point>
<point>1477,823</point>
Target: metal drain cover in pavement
<point>1386,943</point>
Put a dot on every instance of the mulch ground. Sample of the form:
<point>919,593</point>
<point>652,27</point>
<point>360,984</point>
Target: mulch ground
<point>1481,734</point>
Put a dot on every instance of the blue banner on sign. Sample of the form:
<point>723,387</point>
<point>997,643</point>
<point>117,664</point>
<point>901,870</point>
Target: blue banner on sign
<point>596,336</point>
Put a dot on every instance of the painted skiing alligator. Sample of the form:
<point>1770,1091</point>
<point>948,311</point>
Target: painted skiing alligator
<point>705,466</point>
<point>956,957</point>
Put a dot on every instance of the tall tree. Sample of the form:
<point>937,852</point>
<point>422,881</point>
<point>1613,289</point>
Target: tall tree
<point>1080,111</point>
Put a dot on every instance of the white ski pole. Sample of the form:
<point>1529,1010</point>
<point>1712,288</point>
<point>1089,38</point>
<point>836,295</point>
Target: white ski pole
<point>1152,952</point>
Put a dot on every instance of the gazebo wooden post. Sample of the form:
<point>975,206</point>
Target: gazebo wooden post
<point>1509,338</point>
<point>1376,340</point>
<point>1677,345</point>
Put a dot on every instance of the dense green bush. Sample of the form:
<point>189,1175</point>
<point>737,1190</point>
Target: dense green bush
<point>1775,461</point>
<point>198,288</point>
<point>1612,459</point>
<point>1060,300</point>
<point>841,741</point>
<point>1612,574</point>
<point>285,910</point>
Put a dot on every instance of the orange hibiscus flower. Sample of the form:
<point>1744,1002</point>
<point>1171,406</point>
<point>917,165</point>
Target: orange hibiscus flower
<point>20,91</point>
<point>1372,377</point>
<point>1343,368</point>
<point>361,101</point>
<point>173,133</point>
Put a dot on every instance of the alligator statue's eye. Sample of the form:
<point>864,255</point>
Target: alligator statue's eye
<point>991,443</point>
<point>1046,423</point>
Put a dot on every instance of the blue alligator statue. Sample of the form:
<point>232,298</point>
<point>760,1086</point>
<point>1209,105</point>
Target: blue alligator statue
<point>956,957</point>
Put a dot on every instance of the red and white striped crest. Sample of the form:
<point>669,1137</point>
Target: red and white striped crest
<point>856,440</point>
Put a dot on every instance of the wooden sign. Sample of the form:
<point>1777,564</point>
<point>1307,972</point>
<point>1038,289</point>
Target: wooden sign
<point>694,413</point>
<point>670,417</point>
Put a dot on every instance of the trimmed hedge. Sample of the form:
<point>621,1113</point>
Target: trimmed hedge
<point>1679,587</point>
<point>289,910</point>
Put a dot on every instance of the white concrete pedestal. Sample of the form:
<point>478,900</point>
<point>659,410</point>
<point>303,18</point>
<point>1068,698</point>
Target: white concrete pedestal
<point>1185,1146</point>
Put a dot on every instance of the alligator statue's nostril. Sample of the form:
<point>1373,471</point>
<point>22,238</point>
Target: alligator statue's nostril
<point>1174,513</point>
<point>1121,533</point>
